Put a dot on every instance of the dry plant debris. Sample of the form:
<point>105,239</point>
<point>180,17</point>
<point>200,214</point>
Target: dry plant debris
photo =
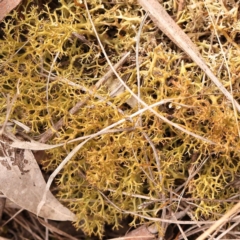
<point>6,6</point>
<point>22,182</point>
<point>158,141</point>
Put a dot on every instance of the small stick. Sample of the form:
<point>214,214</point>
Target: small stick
<point>9,108</point>
<point>226,217</point>
<point>2,206</point>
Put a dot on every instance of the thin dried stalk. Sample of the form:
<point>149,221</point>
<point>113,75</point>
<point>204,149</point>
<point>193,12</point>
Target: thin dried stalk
<point>224,219</point>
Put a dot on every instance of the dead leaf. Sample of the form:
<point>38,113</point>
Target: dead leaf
<point>115,88</point>
<point>34,145</point>
<point>22,182</point>
<point>6,6</point>
<point>141,233</point>
<point>2,238</point>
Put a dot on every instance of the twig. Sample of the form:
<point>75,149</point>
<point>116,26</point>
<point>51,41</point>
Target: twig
<point>23,224</point>
<point>56,230</point>
<point>153,200</point>
<point>171,220</point>
<point>180,228</point>
<point>12,217</point>
<point>226,231</point>
<point>2,206</point>
<point>221,221</point>
<point>9,108</point>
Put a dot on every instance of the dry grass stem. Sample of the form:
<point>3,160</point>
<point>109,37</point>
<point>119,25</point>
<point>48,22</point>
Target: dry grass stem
<point>224,219</point>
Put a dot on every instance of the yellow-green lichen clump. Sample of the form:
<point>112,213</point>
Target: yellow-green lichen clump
<point>118,172</point>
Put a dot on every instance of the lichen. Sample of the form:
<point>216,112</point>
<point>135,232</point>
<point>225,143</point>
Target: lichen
<point>103,182</point>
